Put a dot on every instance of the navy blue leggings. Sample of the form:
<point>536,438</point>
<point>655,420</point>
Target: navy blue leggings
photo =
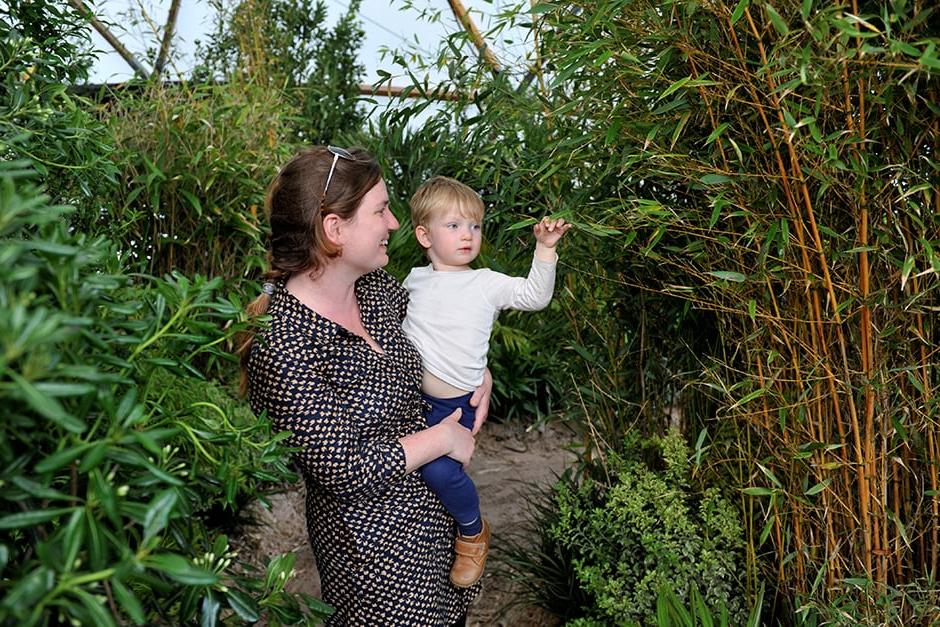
<point>445,476</point>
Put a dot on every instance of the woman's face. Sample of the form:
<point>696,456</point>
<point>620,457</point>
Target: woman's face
<point>365,240</point>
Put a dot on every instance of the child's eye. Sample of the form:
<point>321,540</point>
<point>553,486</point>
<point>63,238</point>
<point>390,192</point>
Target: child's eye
<point>476,227</point>
<point>451,225</point>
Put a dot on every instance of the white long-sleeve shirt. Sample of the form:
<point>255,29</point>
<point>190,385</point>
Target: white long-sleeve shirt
<point>451,315</point>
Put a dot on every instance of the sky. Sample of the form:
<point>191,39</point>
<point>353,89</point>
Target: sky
<point>384,22</point>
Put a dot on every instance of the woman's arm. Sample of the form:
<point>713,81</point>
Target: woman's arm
<point>447,437</point>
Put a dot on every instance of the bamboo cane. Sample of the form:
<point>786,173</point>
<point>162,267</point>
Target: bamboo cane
<point>110,38</point>
<point>168,31</point>
<point>865,463</point>
<point>475,36</point>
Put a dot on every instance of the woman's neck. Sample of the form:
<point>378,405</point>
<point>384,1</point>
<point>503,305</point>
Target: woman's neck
<point>330,293</point>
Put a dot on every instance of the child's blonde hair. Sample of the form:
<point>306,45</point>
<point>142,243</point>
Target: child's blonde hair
<point>440,193</point>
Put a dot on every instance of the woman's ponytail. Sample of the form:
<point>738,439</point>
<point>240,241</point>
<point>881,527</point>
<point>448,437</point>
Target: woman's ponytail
<point>255,309</point>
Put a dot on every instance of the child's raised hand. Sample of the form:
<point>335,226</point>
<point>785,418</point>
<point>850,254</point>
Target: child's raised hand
<point>549,231</point>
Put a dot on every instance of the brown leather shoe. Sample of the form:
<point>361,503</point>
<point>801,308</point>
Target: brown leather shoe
<point>471,557</point>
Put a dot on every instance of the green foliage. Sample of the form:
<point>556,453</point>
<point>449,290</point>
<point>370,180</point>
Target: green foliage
<point>914,603</point>
<point>636,529</point>
<point>286,45</point>
<point>41,52</point>
<point>116,456</point>
<point>194,163</point>
<point>765,175</point>
<point>672,612</point>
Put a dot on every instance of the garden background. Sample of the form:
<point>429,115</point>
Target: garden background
<point>744,336</point>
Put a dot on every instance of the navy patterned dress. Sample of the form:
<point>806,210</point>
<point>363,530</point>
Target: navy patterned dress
<point>382,541</point>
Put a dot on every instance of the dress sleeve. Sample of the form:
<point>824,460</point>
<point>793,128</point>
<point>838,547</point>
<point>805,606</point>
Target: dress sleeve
<point>531,293</point>
<point>332,451</point>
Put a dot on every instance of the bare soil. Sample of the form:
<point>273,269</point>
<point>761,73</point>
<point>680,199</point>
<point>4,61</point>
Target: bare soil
<point>508,463</point>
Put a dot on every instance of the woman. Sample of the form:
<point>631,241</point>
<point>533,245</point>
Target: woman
<point>334,368</point>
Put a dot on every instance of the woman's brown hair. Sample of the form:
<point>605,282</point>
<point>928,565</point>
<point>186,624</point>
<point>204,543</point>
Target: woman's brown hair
<point>294,211</point>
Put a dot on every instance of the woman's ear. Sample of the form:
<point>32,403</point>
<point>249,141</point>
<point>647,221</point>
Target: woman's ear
<point>422,236</point>
<point>333,229</point>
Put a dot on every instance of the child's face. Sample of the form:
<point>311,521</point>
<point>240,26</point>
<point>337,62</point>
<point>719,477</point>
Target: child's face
<point>452,240</point>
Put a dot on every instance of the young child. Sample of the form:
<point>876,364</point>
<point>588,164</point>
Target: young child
<point>450,316</point>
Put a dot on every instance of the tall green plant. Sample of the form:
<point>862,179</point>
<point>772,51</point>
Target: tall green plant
<point>772,164</point>
<point>116,456</point>
<point>786,155</point>
<point>288,45</point>
<point>195,162</point>
<point>43,49</point>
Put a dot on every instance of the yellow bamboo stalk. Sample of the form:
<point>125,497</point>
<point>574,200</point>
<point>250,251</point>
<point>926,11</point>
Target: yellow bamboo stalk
<point>111,39</point>
<point>865,464</point>
<point>475,36</point>
<point>933,454</point>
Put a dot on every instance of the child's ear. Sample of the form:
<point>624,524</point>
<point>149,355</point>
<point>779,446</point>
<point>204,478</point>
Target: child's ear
<point>421,234</point>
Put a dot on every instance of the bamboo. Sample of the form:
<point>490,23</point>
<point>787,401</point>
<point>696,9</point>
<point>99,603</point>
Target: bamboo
<point>111,39</point>
<point>168,31</point>
<point>865,463</point>
<point>475,36</point>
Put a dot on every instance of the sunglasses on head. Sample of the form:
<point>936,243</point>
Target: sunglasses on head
<point>338,153</point>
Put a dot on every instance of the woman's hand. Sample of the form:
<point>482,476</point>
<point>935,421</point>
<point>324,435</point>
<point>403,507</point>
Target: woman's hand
<point>481,400</point>
<point>461,439</point>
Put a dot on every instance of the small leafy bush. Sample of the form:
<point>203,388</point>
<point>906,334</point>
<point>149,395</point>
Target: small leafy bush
<point>41,53</point>
<point>632,529</point>
<point>116,455</point>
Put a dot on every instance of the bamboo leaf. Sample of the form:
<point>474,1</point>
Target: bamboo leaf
<point>754,618</point>
<point>819,487</point>
<point>758,491</point>
<point>715,134</point>
<point>739,10</point>
<point>677,85</point>
<point>906,270</point>
<point>770,475</point>
<point>521,224</point>
<point>714,179</point>
<point>929,58</point>
<point>779,24</point>
<point>542,8</point>
<point>728,275</point>
<point>765,532</point>
<point>678,130</point>
<point>805,8</point>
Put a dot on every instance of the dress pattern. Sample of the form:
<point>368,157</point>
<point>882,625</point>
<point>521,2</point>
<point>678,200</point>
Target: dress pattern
<point>382,541</point>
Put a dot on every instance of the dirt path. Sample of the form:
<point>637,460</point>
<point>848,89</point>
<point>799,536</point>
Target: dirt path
<point>507,462</point>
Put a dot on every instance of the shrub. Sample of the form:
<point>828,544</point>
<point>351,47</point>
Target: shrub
<point>632,528</point>
<point>115,453</point>
<point>41,52</point>
<point>286,44</point>
<point>194,164</point>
